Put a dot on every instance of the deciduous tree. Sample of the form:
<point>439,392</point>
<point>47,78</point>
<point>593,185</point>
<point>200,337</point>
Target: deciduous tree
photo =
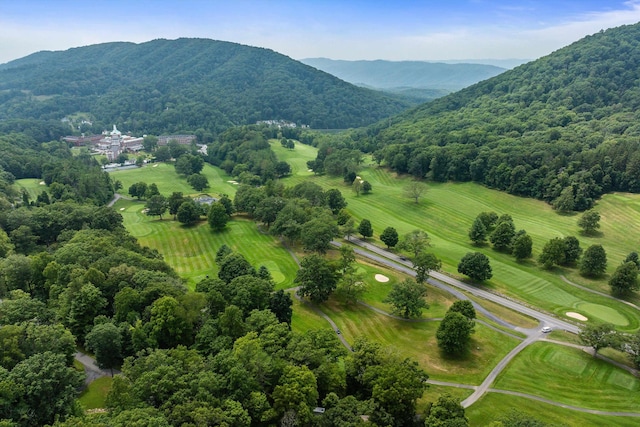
<point>597,336</point>
<point>335,200</point>
<point>389,237</point>
<point>572,250</point>
<point>454,333</point>
<point>589,222</point>
<point>502,235</point>
<point>217,217</point>
<point>415,190</point>
<point>105,341</point>
<point>446,412</point>
<point>407,298</point>
<point>198,181</point>
<point>139,190</point>
<point>522,246</point>
<point>43,388</point>
<point>475,265</point>
<point>594,261</point>
<point>280,304</point>
<point>465,307</point>
<point>156,205</point>
<point>478,232</point>
<point>188,212</point>
<point>317,278</point>
<point>553,253</point>
<point>317,234</point>
<point>174,201</point>
<point>234,265</point>
<point>415,242</point>
<point>365,229</point>
<point>624,279</point>
<point>423,264</point>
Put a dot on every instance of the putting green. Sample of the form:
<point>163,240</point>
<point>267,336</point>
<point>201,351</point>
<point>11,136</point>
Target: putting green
<point>605,314</point>
<point>275,272</point>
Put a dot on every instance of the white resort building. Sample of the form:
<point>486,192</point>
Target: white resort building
<point>113,143</point>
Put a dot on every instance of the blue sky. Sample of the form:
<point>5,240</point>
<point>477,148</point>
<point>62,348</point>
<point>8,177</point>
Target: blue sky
<point>337,29</point>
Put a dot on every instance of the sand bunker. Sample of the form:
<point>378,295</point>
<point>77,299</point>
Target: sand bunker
<point>121,209</point>
<point>155,166</point>
<point>233,182</point>
<point>41,183</point>
<point>382,278</point>
<point>575,315</point>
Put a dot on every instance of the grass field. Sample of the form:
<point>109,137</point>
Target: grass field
<point>165,177</point>
<point>96,393</point>
<point>191,250</point>
<point>491,406</point>
<point>32,185</point>
<point>447,211</point>
<point>417,341</point>
<point>571,376</point>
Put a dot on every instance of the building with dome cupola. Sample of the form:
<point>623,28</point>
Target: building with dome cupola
<point>114,143</point>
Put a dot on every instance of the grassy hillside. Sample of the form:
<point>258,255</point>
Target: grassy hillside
<point>191,250</point>
<point>447,211</point>
<point>563,128</point>
<point>173,86</point>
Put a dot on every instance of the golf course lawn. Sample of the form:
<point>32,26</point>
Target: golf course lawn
<point>191,250</point>
<point>447,211</point>
<point>168,181</point>
<point>493,405</point>
<point>571,376</point>
<point>95,394</point>
<point>416,340</point>
<point>33,186</point>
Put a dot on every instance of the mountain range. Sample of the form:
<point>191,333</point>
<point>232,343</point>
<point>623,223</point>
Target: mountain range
<point>183,85</point>
<point>563,128</point>
<point>388,75</point>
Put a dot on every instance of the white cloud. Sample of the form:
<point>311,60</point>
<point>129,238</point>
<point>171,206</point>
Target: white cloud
<point>507,40</point>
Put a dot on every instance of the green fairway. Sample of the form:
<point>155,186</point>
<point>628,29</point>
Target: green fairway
<point>417,340</point>
<point>571,376</point>
<point>493,405</point>
<point>33,186</point>
<point>165,177</point>
<point>447,211</point>
<point>191,250</point>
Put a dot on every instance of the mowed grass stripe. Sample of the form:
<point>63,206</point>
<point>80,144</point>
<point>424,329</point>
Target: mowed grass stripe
<point>493,406</point>
<point>571,376</point>
<point>191,250</point>
<point>447,211</point>
<point>417,341</point>
<point>168,181</point>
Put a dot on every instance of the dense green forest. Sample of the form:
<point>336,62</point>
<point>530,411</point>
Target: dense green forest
<point>70,274</point>
<point>563,128</point>
<point>169,86</point>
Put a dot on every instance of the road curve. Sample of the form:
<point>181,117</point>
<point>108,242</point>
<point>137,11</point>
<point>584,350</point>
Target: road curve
<point>442,280</point>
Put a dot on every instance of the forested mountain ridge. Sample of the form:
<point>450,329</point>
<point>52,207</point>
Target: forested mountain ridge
<point>166,86</point>
<point>563,128</point>
<point>416,74</point>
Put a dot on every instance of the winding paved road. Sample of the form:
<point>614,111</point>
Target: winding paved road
<point>454,286</point>
<point>91,370</point>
